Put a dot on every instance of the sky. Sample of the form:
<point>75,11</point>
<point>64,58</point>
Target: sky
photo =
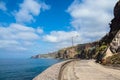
<point>30,27</point>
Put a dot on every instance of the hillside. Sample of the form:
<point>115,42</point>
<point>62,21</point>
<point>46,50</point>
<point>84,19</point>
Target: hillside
<point>69,52</point>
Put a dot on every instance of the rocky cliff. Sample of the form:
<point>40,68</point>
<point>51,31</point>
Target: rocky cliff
<point>114,25</point>
<point>112,39</point>
<point>79,51</point>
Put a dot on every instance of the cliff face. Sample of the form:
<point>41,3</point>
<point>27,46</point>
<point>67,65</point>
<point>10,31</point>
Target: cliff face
<point>114,25</point>
<point>80,51</point>
<point>115,44</point>
<point>113,38</point>
<point>67,53</point>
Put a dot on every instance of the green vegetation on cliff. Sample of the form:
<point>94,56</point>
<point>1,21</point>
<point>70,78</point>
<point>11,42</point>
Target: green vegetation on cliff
<point>113,60</point>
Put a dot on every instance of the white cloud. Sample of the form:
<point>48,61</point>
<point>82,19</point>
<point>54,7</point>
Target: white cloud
<point>62,39</point>
<point>29,9</point>
<point>6,43</point>
<point>39,30</point>
<point>59,36</point>
<point>18,37</point>
<point>17,31</point>
<point>27,36</point>
<point>11,45</point>
<point>50,38</point>
<point>91,17</point>
<point>3,6</point>
<point>19,27</point>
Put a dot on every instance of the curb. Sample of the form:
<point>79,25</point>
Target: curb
<point>63,66</point>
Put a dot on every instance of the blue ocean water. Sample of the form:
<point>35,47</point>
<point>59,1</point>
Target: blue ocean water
<point>23,69</point>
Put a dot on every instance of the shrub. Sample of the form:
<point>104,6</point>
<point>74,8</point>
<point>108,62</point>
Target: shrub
<point>103,47</point>
<point>113,60</point>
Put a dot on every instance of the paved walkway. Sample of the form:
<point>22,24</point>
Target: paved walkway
<point>52,73</point>
<point>88,70</point>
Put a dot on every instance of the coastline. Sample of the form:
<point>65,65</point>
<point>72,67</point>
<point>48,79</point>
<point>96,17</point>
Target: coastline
<point>52,73</point>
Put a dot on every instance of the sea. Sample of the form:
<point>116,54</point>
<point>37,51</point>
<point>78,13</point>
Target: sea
<point>23,69</point>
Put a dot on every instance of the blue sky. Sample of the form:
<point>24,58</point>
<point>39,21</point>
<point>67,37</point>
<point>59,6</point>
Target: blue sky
<point>30,27</point>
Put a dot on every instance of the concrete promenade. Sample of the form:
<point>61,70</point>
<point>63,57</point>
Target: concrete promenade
<point>79,70</point>
<point>88,70</point>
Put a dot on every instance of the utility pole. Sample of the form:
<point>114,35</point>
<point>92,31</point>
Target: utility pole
<point>73,39</point>
<point>72,42</point>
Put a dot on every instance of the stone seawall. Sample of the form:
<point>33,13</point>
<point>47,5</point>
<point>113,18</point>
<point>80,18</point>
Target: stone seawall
<point>52,73</point>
